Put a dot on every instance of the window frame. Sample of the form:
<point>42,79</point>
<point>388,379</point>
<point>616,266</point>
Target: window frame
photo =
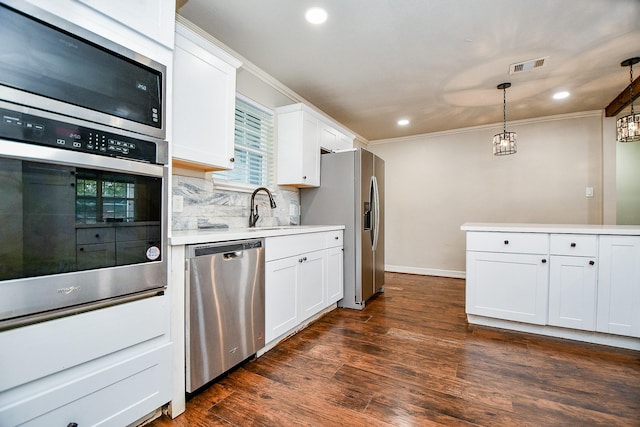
<point>222,183</point>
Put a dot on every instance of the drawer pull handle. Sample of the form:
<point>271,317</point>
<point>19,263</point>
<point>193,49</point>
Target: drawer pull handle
<point>544,261</point>
<point>72,425</point>
<point>97,236</point>
<point>592,262</point>
<point>337,238</point>
<point>506,242</point>
<point>573,245</point>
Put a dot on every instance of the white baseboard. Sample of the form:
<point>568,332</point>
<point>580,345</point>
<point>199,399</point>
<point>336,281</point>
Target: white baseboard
<point>426,271</point>
<point>630,343</point>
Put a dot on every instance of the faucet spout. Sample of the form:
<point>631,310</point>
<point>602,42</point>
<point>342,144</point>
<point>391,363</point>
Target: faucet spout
<point>253,214</point>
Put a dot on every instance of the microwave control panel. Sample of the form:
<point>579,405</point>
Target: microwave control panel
<point>38,130</point>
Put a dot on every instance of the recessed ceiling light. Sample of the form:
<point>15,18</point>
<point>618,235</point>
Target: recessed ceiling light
<point>316,15</point>
<point>561,95</point>
<point>403,122</point>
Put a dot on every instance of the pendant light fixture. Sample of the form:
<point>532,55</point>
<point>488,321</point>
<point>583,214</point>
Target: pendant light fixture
<point>628,127</point>
<point>504,143</point>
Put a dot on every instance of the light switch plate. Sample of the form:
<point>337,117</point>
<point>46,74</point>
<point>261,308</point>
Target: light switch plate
<point>589,192</point>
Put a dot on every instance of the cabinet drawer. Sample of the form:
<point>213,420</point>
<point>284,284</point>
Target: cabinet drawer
<point>573,244</point>
<point>334,238</point>
<point>90,236</point>
<point>116,395</point>
<point>286,246</point>
<point>524,243</point>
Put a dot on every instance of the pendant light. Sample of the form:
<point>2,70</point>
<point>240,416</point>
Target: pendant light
<point>504,143</point>
<point>628,127</point>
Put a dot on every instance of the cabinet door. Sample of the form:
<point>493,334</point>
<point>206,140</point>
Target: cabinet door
<point>335,277</point>
<point>310,172</point>
<point>281,297</point>
<point>572,292</point>
<point>298,149</point>
<point>618,309</point>
<point>508,286</point>
<point>311,284</point>
<point>203,106</point>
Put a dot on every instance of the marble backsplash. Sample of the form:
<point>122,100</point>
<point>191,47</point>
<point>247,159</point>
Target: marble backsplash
<point>205,206</point>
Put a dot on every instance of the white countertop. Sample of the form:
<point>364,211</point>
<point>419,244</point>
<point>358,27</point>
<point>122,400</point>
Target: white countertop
<point>188,237</point>
<point>621,230</point>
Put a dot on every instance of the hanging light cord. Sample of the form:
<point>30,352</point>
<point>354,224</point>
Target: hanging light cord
<point>504,110</point>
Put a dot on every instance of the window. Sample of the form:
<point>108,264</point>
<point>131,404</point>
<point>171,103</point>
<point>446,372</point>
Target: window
<point>253,151</point>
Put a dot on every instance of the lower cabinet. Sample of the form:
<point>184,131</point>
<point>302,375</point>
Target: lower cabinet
<point>583,282</point>
<point>303,276</point>
<point>107,367</point>
<point>335,274</point>
<point>618,309</point>
<point>508,286</point>
<point>572,292</point>
<point>312,297</point>
<point>281,296</point>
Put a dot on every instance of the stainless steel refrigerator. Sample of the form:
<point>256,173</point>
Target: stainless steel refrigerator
<point>351,193</point>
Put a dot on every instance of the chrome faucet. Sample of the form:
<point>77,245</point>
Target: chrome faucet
<point>253,215</point>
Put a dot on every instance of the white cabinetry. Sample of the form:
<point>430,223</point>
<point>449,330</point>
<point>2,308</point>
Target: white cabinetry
<point>204,87</point>
<point>619,285</point>
<point>110,366</point>
<point>301,134</point>
<point>572,281</point>
<point>507,276</point>
<point>593,280</point>
<point>299,271</point>
<point>152,18</point>
<point>312,297</point>
<point>335,267</point>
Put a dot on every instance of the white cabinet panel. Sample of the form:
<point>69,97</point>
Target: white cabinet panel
<point>298,149</point>
<point>204,87</point>
<point>335,274</point>
<point>619,285</point>
<point>311,281</point>
<point>281,297</point>
<point>572,292</point>
<point>302,133</point>
<point>152,18</point>
<point>508,286</point>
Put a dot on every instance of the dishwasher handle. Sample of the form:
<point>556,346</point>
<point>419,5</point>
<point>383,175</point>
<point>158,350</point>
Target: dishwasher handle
<point>233,255</point>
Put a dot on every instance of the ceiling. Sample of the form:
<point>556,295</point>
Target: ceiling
<point>434,62</point>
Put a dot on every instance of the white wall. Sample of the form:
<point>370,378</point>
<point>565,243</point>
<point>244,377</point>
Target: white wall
<point>436,182</point>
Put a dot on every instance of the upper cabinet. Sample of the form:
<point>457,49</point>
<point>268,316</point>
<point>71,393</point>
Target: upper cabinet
<point>151,18</point>
<point>302,134</point>
<point>204,91</point>
<point>144,26</point>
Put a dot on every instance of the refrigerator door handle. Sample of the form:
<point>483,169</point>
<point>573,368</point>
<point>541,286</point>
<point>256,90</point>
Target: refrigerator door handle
<point>376,212</point>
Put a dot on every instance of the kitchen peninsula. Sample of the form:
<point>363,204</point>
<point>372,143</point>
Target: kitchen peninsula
<point>579,282</point>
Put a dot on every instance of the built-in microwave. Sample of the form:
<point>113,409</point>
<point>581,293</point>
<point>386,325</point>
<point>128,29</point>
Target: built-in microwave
<point>57,66</point>
<point>83,170</point>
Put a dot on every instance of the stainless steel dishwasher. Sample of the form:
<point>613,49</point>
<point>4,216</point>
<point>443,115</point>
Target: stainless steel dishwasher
<point>225,307</point>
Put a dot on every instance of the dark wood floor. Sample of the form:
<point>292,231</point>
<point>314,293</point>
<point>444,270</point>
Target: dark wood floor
<point>410,359</point>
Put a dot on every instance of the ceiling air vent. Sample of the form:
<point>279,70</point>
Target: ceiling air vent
<point>520,67</point>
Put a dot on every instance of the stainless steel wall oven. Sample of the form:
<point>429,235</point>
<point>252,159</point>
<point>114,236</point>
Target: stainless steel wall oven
<point>83,170</point>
